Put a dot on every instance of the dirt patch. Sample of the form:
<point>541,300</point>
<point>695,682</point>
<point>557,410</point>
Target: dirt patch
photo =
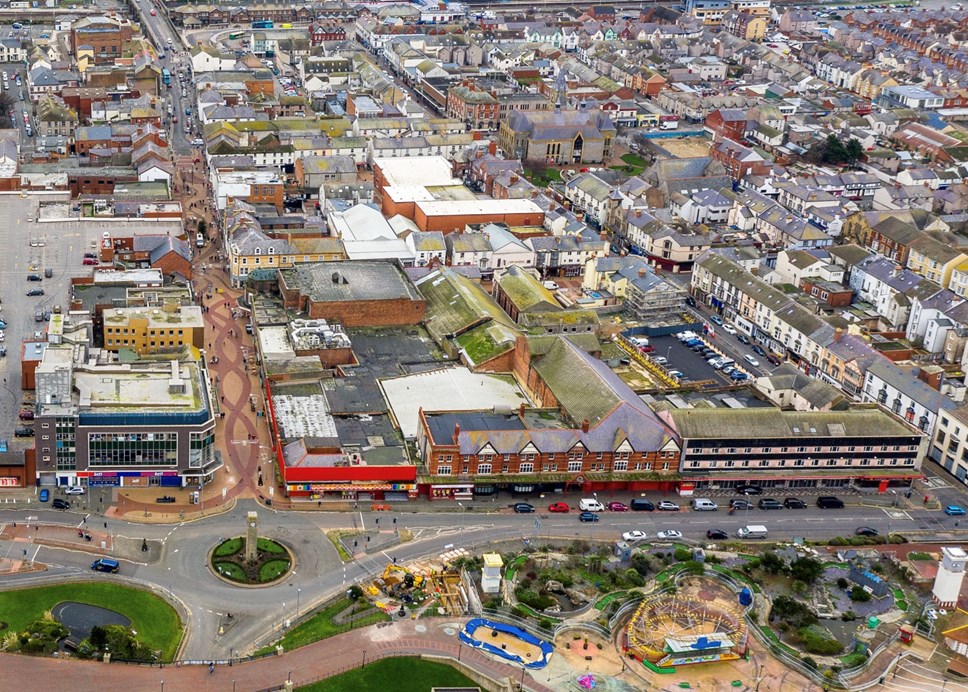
<point>686,147</point>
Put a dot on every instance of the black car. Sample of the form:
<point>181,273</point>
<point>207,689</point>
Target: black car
<point>770,503</point>
<point>749,490</point>
<point>60,504</point>
<point>690,301</point>
<point>794,503</point>
<point>587,516</point>
<point>35,292</point>
<point>34,277</point>
<point>829,502</point>
<point>640,505</point>
<point>758,351</point>
<point>23,432</point>
<point>90,255</point>
<point>866,531</point>
<point>716,535</point>
<point>523,508</point>
<point>740,504</point>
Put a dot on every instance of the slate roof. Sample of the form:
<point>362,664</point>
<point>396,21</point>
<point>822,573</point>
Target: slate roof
<point>765,423</point>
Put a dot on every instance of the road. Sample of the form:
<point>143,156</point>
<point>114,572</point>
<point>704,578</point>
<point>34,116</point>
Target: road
<point>257,615</point>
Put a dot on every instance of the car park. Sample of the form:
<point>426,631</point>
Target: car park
<point>559,507</point>
<point>44,494</point>
<point>794,503</point>
<point>587,516</point>
<point>717,535</point>
<point>954,511</point>
<point>769,503</point>
<point>666,506</point>
<point>634,536</point>
<point>617,506</point>
<point>523,508</point>
<point>669,535</point>
<point>60,504</point>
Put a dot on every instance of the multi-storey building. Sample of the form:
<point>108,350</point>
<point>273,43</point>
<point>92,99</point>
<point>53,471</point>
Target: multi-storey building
<point>561,137</point>
<point>472,105</point>
<point>102,37</point>
<point>711,12</point>
<point>146,330</point>
<point>862,446</point>
<point>103,422</point>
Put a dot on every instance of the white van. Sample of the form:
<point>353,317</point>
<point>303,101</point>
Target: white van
<point>686,336</point>
<point>199,240</point>
<point>590,505</point>
<point>752,531</point>
<point>701,504</point>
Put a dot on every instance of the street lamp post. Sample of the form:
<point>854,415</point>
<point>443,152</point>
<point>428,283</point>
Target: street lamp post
<point>460,523</point>
<point>298,592</point>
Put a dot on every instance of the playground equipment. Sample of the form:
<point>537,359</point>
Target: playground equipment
<point>700,623</point>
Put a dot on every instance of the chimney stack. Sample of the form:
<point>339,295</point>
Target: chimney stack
<point>638,213</point>
<point>838,334</point>
<point>521,411</point>
<point>642,272</point>
<point>585,425</point>
<point>456,431</point>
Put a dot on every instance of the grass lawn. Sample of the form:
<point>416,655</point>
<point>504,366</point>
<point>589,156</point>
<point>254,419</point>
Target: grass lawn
<point>155,621</point>
<point>397,674</point>
<point>229,547</point>
<point>634,160</point>
<point>321,626</point>
<point>272,570</point>
<point>543,176</point>
<point>270,546</point>
<point>230,570</point>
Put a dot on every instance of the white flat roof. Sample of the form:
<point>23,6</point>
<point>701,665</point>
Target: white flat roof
<point>450,389</point>
<point>409,193</point>
<point>467,207</point>
<point>274,341</point>
<point>415,170</point>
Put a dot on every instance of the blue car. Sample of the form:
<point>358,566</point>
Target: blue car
<point>954,511</point>
<point>587,516</point>
<point>44,494</point>
<point>738,376</point>
<point>716,319</point>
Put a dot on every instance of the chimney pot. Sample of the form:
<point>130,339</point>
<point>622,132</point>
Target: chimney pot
<point>585,425</point>
<point>456,431</point>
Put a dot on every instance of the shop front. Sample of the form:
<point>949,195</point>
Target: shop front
<point>451,491</point>
<point>352,491</point>
<point>126,479</point>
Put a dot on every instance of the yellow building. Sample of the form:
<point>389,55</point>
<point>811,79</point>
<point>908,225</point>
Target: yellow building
<point>151,329</point>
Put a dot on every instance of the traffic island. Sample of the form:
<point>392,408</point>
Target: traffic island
<point>251,560</point>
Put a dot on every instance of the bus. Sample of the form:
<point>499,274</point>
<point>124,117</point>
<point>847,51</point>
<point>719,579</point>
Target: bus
<point>262,24</point>
<point>166,76</point>
<point>236,34</point>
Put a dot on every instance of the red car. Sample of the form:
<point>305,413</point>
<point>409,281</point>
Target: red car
<point>90,261</point>
<point>617,507</point>
<point>558,507</point>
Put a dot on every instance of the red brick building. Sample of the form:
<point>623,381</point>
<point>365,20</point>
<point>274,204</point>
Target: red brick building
<point>105,36</point>
<point>728,123</point>
<point>320,32</point>
<point>738,160</point>
<point>592,434</point>
<point>355,294</point>
<point>828,292</point>
<point>160,251</point>
<point>475,106</point>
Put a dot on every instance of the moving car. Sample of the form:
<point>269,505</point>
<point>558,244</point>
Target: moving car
<point>634,536</point>
<point>729,329</point>
<point>559,507</point>
<point>668,535</point>
<point>758,350</point>
<point>751,360</point>
<point>523,508</point>
<point>587,516</point>
<point>716,319</point>
<point>106,564</point>
<point>60,504</point>
<point>74,490</point>
<point>617,507</point>
<point>717,535</point>
<point>866,531</point>
<point>743,339</point>
<point>153,13</point>
<point>794,503</point>
<point>666,506</point>
<point>44,494</point>
<point>954,511</point>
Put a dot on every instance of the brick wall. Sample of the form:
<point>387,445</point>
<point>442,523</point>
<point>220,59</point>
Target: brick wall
<point>363,313</point>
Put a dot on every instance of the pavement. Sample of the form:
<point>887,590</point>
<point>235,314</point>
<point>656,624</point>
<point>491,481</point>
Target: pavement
<point>428,636</point>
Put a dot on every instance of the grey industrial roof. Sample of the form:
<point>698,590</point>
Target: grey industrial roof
<point>331,282</point>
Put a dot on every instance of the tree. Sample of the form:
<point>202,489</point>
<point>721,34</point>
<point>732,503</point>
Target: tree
<point>771,562</point>
<point>854,150</point>
<point>835,151</point>
<point>806,569</point>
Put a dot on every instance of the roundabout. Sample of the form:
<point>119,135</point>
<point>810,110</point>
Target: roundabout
<point>269,563</point>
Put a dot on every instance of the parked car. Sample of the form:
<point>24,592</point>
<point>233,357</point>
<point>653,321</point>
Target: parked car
<point>617,506</point>
<point>666,506</point>
<point>587,516</point>
<point>634,536</point>
<point>89,261</point>
<point>74,490</point>
<point>716,319</point>
<point>738,376</point>
<point>669,535</point>
<point>23,432</point>
<point>558,507</point>
<point>749,490</point>
<point>523,508</point>
<point>35,292</point>
<point>954,511</point>
<point>866,531</point>
<point>60,504</point>
<point>740,504</point>
<point>729,329</point>
<point>770,503</point>
<point>641,505</point>
<point>34,277</point>
<point>758,350</point>
<point>743,339</point>
<point>717,535</point>
<point>773,359</point>
<point>26,415</point>
<point>44,494</point>
<point>794,503</point>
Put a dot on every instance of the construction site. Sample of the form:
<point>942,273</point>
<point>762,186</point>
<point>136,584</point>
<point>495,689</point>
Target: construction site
<point>419,586</point>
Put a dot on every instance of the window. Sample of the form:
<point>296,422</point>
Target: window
<point>574,466</point>
<point>483,469</point>
<point>526,468</point>
<point>621,466</point>
<point>443,470</point>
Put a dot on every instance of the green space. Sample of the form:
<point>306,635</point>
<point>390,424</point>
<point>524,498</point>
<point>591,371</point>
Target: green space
<point>270,546</point>
<point>272,570</point>
<point>603,603</point>
<point>480,345</point>
<point>634,164</point>
<point>229,547</point>
<point>397,674</point>
<point>323,625</point>
<point>543,176</point>
<point>230,570</point>
<point>514,566</point>
<point>155,621</point>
